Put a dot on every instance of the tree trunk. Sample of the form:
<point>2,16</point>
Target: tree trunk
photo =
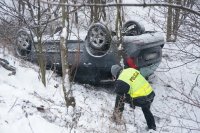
<point>118,22</point>
<point>40,55</point>
<point>66,85</point>
<point>20,12</point>
<point>169,23</point>
<point>75,13</point>
<point>96,11</point>
<point>103,9</point>
<point>176,21</point>
<point>41,61</point>
<point>92,12</point>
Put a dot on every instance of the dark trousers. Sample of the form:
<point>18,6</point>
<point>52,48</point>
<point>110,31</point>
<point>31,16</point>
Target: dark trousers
<point>145,104</point>
<point>149,117</point>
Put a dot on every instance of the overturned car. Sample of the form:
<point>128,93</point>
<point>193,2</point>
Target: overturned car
<point>91,59</point>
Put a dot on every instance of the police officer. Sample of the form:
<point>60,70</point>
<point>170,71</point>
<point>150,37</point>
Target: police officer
<point>131,87</point>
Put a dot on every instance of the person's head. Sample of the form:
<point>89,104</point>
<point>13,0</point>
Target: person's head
<point>115,70</point>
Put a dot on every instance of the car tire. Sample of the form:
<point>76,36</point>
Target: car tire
<point>131,28</point>
<point>24,42</point>
<point>98,40</point>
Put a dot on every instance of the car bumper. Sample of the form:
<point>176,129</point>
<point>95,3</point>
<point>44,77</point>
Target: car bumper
<point>148,70</point>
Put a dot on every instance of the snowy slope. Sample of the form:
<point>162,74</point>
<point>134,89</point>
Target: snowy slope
<point>27,106</point>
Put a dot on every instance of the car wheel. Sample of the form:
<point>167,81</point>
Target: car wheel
<point>131,28</point>
<point>24,41</point>
<point>98,40</point>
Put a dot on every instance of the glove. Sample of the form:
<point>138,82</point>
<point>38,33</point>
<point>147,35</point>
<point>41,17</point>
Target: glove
<point>132,106</point>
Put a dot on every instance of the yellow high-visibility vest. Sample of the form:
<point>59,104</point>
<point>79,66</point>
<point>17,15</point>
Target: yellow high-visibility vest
<point>139,86</point>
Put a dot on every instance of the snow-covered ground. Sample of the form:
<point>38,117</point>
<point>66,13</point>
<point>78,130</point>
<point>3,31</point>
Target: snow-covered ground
<point>26,106</point>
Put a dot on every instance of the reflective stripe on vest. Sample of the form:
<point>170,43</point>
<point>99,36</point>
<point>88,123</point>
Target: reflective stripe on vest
<point>139,86</point>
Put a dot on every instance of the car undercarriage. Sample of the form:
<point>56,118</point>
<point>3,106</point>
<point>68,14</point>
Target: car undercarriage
<point>90,59</point>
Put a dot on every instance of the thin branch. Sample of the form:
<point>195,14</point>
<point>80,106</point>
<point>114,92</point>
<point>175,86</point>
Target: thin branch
<point>196,104</point>
<point>130,4</point>
<point>13,105</point>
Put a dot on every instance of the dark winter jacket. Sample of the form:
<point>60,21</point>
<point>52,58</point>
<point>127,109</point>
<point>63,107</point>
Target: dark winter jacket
<point>122,88</point>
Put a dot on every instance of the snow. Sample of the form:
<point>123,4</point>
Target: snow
<point>64,33</point>
<point>145,38</point>
<point>73,35</point>
<point>26,106</point>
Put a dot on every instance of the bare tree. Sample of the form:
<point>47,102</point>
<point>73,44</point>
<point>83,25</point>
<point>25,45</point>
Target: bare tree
<point>118,23</point>
<point>184,25</point>
<point>32,15</point>
<point>176,17</point>
<point>66,83</point>
<point>176,20</point>
<point>97,13</point>
<point>75,13</point>
<point>169,22</point>
<point>39,32</point>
